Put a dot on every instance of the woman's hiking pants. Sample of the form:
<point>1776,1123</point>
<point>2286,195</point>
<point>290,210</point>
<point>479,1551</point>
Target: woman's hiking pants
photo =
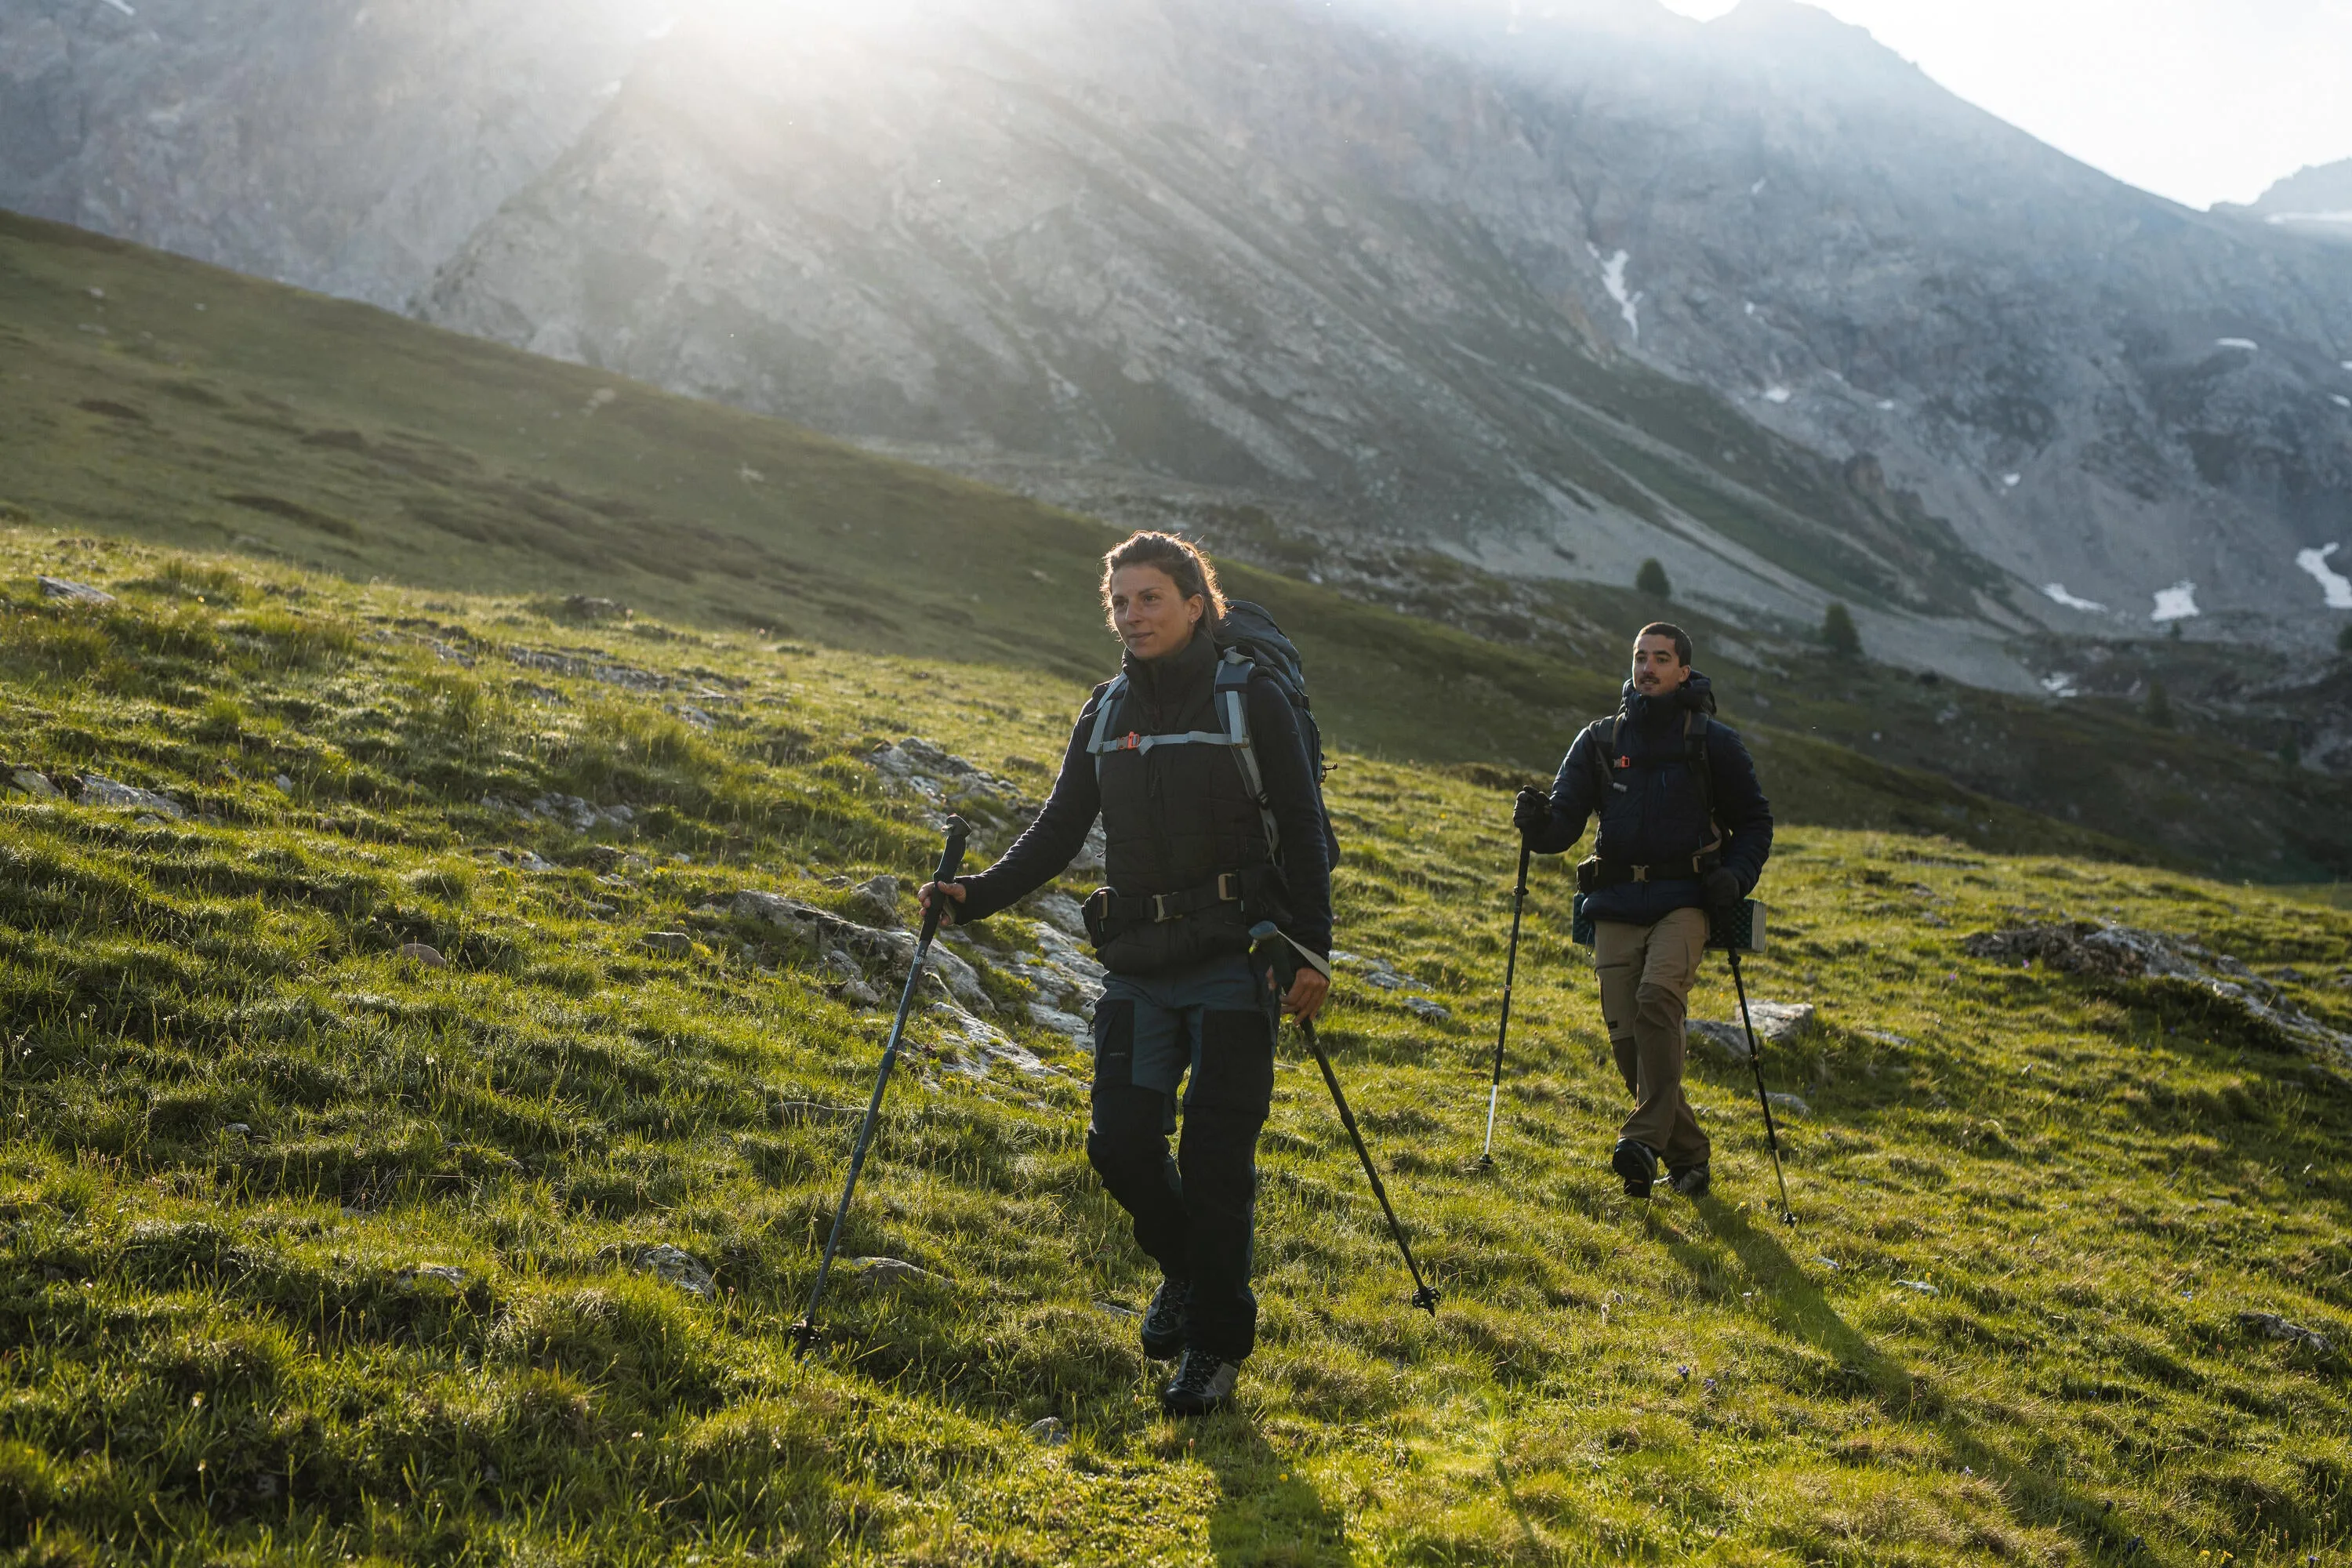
<point>1645,974</point>
<point>1211,1025</point>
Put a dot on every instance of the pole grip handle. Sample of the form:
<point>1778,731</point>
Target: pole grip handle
<point>951,863</point>
<point>951,858</point>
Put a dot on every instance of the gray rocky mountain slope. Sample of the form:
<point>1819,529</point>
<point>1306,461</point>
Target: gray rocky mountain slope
<point>2315,201</point>
<point>1556,292</point>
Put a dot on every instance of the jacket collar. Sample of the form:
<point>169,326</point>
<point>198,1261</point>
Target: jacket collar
<point>1696,695</point>
<point>1174,681</point>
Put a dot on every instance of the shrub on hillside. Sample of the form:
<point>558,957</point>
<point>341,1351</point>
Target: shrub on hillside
<point>1839,633</point>
<point>1651,580</point>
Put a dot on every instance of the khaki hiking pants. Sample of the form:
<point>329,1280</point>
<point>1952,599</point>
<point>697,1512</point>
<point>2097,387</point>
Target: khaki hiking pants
<point>1646,975</point>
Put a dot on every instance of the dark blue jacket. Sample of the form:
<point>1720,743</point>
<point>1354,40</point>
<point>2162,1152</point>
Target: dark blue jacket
<point>1652,811</point>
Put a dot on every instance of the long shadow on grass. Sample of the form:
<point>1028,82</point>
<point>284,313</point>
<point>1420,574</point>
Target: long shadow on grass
<point>1267,1513</point>
<point>1796,1306</point>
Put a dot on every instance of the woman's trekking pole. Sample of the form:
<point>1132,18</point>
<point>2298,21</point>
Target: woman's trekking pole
<point>804,1332</point>
<point>1503,1029</point>
<point>1756,1060</point>
<point>1424,1296</point>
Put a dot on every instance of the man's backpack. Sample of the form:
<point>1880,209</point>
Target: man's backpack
<point>1607,763</point>
<point>1250,643</point>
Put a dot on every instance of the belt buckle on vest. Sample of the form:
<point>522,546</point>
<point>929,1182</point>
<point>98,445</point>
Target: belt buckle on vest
<point>1229,890</point>
<point>1641,873</point>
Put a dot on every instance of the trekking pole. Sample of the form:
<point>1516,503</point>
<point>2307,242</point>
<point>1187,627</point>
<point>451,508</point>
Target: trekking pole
<point>804,1332</point>
<point>1756,1060</point>
<point>1424,1296</point>
<point>1502,1030</point>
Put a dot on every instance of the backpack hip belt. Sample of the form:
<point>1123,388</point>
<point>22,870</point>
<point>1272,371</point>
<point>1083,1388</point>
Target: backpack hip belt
<point>1108,912</point>
<point>1594,873</point>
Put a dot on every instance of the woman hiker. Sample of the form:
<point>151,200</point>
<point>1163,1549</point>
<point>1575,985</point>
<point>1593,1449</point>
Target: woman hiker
<point>1190,869</point>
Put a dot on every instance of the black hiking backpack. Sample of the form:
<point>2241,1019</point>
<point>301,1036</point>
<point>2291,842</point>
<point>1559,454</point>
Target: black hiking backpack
<point>1249,642</point>
<point>1247,634</point>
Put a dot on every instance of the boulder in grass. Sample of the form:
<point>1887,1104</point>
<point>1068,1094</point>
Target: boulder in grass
<point>422,953</point>
<point>881,957</point>
<point>1777,1024</point>
<point>669,943</point>
<point>674,1266</point>
<point>2271,1326</point>
<point>67,591</point>
<point>35,783</point>
<point>887,1273</point>
<point>99,790</point>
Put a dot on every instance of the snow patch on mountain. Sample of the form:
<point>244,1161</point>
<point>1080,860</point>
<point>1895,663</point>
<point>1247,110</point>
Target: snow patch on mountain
<point>2056,593</point>
<point>1612,277</point>
<point>2246,344</point>
<point>2332,583</point>
<point>2177,602</point>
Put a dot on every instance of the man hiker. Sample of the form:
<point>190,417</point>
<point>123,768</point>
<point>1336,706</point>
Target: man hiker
<point>1685,831</point>
<point>1192,826</point>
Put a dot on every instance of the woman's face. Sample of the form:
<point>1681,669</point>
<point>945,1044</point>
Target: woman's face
<point>1150,616</point>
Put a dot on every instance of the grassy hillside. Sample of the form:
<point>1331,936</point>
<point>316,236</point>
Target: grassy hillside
<point>145,396</point>
<point>316,1253</point>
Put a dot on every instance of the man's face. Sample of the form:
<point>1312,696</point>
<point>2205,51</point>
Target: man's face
<point>1656,671</point>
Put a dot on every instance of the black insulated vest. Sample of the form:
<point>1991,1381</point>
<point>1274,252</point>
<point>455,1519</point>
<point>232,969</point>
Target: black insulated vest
<point>1177,814</point>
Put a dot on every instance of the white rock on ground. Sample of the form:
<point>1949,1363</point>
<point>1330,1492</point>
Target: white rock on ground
<point>1380,974</point>
<point>34,784</point>
<point>946,782</point>
<point>883,955</point>
<point>980,1045</point>
<point>99,790</point>
<point>673,1266</point>
<point>1777,1024</point>
<point>1068,979</point>
<point>72,593</point>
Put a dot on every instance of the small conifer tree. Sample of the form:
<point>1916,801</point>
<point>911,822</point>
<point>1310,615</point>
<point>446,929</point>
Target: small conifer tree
<point>2344,638</point>
<point>1651,580</point>
<point>1838,630</point>
<point>2158,711</point>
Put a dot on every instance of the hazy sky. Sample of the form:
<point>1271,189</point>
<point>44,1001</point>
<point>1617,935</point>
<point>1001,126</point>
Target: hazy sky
<point>2201,100</point>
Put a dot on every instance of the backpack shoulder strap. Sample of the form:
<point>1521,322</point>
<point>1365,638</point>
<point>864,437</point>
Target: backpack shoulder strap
<point>1603,733</point>
<point>1105,709</point>
<point>1233,674</point>
<point>1696,726</point>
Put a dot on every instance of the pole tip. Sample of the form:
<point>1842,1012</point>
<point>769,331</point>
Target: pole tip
<point>1425,1298</point>
<point>804,1334</point>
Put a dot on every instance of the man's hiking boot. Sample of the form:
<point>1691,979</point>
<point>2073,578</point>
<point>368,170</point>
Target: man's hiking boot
<point>1163,1320</point>
<point>1691,1181</point>
<point>1638,1163</point>
<point>1202,1384</point>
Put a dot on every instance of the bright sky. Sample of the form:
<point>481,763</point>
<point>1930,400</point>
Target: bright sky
<point>2201,100</point>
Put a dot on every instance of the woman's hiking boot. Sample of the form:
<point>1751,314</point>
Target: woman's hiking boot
<point>1163,1320</point>
<point>1202,1384</point>
<point>1691,1181</point>
<point>1638,1163</point>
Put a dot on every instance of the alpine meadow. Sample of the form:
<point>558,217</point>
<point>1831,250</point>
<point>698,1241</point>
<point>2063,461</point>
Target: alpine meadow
<point>463,813</point>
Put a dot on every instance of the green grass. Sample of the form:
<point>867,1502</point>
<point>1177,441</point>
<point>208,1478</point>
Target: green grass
<point>236,1127</point>
<point>145,396</point>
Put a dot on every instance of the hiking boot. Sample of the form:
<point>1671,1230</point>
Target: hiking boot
<point>1638,1163</point>
<point>1163,1320</point>
<point>1691,1181</point>
<point>1202,1384</point>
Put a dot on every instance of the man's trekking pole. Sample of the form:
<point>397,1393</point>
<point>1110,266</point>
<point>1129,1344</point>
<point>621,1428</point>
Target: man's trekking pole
<point>1503,1030</point>
<point>1756,1060</point>
<point>804,1332</point>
